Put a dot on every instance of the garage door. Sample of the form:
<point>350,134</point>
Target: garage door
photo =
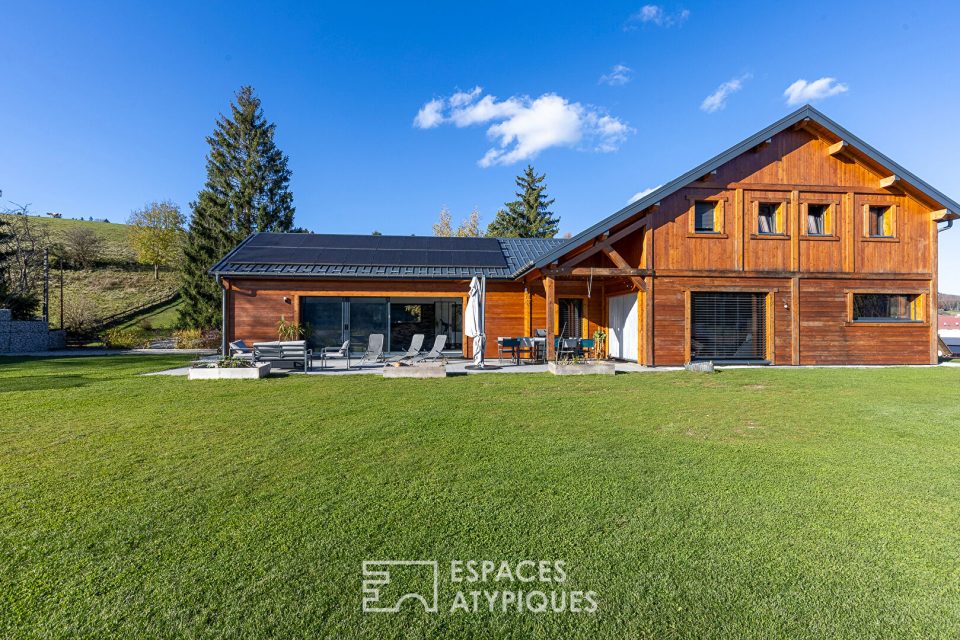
<point>728,326</point>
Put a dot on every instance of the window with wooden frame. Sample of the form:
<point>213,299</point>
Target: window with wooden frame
<point>880,220</point>
<point>886,307</point>
<point>706,216</point>
<point>770,218</point>
<point>819,219</point>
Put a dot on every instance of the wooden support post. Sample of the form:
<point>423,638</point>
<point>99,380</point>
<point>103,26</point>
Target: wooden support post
<point>527,319</point>
<point>794,230</point>
<point>738,228</point>
<point>549,286</point>
<point>795,321</point>
<point>849,228</point>
<point>649,324</point>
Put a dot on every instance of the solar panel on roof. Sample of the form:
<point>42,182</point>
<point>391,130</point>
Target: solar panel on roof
<point>411,251</point>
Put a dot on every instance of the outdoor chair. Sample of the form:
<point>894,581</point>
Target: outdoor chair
<point>416,346</point>
<point>239,349</point>
<point>588,345</point>
<point>336,352</point>
<point>436,352</point>
<point>374,352</point>
<point>566,347</point>
<point>293,353</point>
<point>510,346</point>
<point>540,333</point>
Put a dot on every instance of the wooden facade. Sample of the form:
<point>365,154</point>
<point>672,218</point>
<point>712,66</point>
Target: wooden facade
<point>807,281</point>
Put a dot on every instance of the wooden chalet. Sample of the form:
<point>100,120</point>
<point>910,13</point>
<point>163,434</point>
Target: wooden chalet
<point>800,245</point>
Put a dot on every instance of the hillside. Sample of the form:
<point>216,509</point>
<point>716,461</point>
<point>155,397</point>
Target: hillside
<point>948,302</point>
<point>115,283</point>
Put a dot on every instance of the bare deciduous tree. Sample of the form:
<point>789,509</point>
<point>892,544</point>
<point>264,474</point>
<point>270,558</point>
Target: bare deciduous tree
<point>82,246</point>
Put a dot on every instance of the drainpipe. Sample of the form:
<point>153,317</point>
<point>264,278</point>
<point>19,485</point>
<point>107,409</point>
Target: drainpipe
<point>223,317</point>
<point>942,229</point>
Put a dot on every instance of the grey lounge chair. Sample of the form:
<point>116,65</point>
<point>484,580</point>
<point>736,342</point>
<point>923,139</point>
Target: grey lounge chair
<point>374,352</point>
<point>435,353</point>
<point>336,352</point>
<point>239,349</point>
<point>416,346</point>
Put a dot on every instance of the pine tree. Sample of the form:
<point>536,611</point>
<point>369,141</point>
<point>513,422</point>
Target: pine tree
<point>528,216</point>
<point>247,190</point>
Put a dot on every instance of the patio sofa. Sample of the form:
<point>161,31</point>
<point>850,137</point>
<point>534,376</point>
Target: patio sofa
<point>286,354</point>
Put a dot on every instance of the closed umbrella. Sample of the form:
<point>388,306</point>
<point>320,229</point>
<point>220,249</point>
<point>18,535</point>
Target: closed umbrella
<point>473,319</point>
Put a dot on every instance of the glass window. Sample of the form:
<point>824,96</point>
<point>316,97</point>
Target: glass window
<point>768,219</point>
<point>817,220</point>
<point>571,317</point>
<point>705,216</point>
<point>886,307</point>
<point>881,222</point>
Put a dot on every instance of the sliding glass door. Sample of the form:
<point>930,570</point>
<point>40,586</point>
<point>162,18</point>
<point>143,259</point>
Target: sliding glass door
<point>367,315</point>
<point>324,319</point>
<point>331,321</point>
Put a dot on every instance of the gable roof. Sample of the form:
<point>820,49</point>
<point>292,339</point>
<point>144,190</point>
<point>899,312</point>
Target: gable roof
<point>362,256</point>
<point>803,113</point>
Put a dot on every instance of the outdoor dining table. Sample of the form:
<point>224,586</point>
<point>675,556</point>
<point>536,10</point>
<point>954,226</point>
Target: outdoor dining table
<point>537,347</point>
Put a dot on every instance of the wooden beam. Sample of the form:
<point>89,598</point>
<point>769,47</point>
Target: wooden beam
<point>707,176</point>
<point>609,240</point>
<point>600,272</point>
<point>804,125</point>
<point>551,301</point>
<point>839,148</point>
<point>943,215</point>
<point>763,145</point>
<point>618,260</point>
<point>890,182</point>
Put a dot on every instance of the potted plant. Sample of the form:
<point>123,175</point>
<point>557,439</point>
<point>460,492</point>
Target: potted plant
<point>228,368</point>
<point>289,331</point>
<point>600,343</point>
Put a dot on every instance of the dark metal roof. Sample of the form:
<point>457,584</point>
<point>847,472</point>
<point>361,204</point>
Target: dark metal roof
<point>355,256</point>
<point>803,113</point>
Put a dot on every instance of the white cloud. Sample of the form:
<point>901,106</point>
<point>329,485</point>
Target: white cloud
<point>521,127</point>
<point>718,99</point>
<point>619,75</point>
<point>802,91</point>
<point>657,15</point>
<point>643,194</point>
<point>430,115</point>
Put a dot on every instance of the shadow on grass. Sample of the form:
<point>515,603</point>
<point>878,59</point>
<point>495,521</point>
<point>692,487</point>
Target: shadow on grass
<point>43,383</point>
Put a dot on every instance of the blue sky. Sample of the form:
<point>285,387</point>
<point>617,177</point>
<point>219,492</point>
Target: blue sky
<point>105,106</point>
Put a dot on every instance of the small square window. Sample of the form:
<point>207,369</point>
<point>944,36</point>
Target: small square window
<point>705,216</point>
<point>880,221</point>
<point>817,220</point>
<point>769,220</point>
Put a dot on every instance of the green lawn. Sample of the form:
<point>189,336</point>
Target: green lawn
<point>751,503</point>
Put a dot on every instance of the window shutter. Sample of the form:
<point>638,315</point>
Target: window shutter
<point>888,222</point>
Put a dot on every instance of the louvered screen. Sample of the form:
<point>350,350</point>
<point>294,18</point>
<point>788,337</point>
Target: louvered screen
<point>728,326</point>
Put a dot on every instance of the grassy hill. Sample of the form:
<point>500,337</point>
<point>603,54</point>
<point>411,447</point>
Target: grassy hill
<point>115,283</point>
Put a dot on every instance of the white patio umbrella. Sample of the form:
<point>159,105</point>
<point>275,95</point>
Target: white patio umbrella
<point>473,318</point>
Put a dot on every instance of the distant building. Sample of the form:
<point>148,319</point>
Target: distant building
<point>948,326</point>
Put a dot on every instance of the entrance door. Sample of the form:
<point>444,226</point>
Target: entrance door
<point>728,326</point>
<point>624,327</point>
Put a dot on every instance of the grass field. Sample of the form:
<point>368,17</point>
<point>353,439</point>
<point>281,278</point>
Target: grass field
<point>758,503</point>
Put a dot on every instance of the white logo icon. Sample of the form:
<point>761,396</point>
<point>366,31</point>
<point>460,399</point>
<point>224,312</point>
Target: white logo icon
<point>379,575</point>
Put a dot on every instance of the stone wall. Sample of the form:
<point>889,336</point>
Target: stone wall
<point>24,336</point>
